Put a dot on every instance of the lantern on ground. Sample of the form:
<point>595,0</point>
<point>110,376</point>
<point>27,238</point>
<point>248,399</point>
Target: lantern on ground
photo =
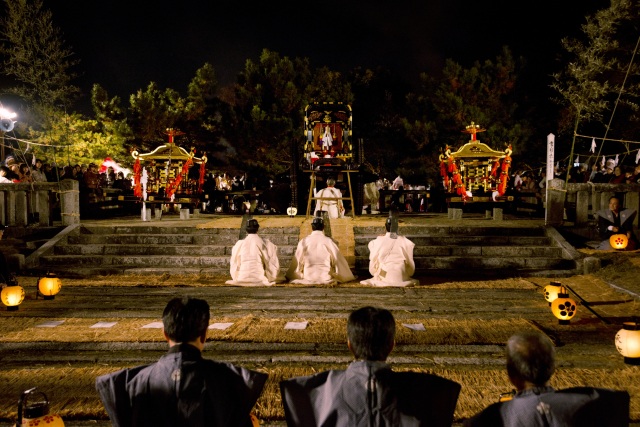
<point>628,342</point>
<point>49,286</point>
<point>551,291</point>
<point>36,411</point>
<point>563,307</point>
<point>12,297</point>
<point>619,241</point>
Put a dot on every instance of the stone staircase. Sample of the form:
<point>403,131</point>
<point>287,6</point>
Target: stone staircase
<point>85,250</point>
<point>486,251</point>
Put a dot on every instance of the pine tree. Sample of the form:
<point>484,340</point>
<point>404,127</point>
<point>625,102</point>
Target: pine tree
<point>36,59</point>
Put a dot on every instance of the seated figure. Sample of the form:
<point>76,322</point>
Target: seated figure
<point>254,261</point>
<point>318,259</point>
<point>369,392</point>
<point>614,221</point>
<point>391,260</point>
<point>530,365</point>
<point>182,388</point>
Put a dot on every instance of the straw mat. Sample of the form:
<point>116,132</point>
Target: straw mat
<point>261,330</point>
<point>204,280</point>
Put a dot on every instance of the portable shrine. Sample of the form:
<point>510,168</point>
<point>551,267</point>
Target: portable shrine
<point>328,146</point>
<point>475,172</point>
<point>166,173</point>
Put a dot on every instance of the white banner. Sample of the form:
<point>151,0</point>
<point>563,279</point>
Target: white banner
<point>551,143</point>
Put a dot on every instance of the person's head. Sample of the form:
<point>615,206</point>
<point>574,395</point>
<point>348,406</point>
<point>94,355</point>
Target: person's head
<point>185,320</point>
<point>614,204</point>
<point>4,171</point>
<point>331,182</point>
<point>252,226</point>
<point>371,333</point>
<point>530,359</point>
<point>617,170</point>
<point>317,224</point>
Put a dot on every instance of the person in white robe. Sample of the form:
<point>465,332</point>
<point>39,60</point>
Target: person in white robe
<point>254,260</point>
<point>318,260</point>
<point>327,139</point>
<point>333,202</point>
<point>391,260</point>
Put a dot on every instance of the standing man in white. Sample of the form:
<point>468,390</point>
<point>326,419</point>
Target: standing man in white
<point>330,199</point>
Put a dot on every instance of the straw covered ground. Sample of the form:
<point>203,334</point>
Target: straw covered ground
<point>74,395</point>
<point>613,293</point>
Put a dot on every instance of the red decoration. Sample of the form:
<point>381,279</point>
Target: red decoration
<point>173,186</point>
<point>137,172</point>
<point>457,180</point>
<point>201,178</point>
<point>443,172</point>
<point>504,174</point>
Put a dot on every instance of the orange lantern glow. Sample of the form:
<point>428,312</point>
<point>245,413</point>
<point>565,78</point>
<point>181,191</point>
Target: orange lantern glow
<point>12,297</point>
<point>551,291</point>
<point>49,286</point>
<point>619,241</point>
<point>563,307</point>
<point>628,342</point>
<point>36,412</point>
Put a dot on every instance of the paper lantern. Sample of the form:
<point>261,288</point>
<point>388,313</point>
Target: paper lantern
<point>619,241</point>
<point>49,286</point>
<point>551,291</point>
<point>628,342</point>
<point>563,307</point>
<point>36,412</point>
<point>12,297</point>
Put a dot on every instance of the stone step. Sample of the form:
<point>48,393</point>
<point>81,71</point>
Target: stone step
<point>417,230</point>
<point>472,264</point>
<point>489,251</point>
<point>228,239</point>
<point>449,240</point>
<point>143,249</point>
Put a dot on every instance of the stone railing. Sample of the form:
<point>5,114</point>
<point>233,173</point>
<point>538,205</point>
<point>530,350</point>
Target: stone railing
<point>38,203</point>
<point>582,201</point>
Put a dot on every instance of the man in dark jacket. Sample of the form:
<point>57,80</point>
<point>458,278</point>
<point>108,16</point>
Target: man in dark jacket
<point>368,393</point>
<point>616,221</point>
<point>182,388</point>
<point>530,365</point>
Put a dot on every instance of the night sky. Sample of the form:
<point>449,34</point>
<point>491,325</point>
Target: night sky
<point>123,45</point>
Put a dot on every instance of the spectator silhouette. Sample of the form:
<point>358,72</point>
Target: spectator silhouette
<point>369,392</point>
<point>182,388</point>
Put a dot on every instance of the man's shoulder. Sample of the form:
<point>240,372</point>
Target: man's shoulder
<point>331,376</point>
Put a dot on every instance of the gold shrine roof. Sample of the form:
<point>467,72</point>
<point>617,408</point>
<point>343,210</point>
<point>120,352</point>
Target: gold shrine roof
<point>166,152</point>
<point>477,149</point>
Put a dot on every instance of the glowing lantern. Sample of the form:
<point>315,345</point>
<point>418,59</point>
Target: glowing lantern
<point>49,286</point>
<point>619,241</point>
<point>563,307</point>
<point>12,297</point>
<point>36,413</point>
<point>551,291</point>
<point>628,342</point>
